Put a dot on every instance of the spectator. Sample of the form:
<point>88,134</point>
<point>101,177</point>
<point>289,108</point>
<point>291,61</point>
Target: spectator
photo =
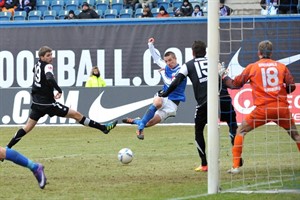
<point>87,12</point>
<point>130,4</point>
<point>26,5</point>
<point>95,79</point>
<point>186,8</point>
<point>71,15</point>
<point>224,9</point>
<point>145,3</point>
<point>177,12</point>
<point>162,12</point>
<point>287,6</point>
<point>10,6</point>
<point>2,3</point>
<point>197,11</point>
<point>146,12</point>
<point>269,7</point>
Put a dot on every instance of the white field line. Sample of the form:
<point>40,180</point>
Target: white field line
<point>240,190</point>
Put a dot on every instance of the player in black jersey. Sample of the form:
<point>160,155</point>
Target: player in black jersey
<point>196,70</point>
<point>44,100</point>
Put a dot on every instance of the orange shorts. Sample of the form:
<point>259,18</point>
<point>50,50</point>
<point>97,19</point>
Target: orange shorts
<point>273,112</point>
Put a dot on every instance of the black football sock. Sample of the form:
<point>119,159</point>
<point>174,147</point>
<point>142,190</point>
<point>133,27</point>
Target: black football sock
<point>91,123</point>
<point>19,134</point>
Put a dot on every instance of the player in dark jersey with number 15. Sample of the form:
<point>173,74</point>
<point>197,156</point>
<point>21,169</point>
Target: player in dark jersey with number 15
<point>44,100</point>
<point>196,70</point>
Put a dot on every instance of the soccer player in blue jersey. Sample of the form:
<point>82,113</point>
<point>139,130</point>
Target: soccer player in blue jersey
<point>162,108</point>
<point>19,159</point>
<point>44,100</point>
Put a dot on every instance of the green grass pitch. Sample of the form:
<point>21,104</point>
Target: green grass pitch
<point>81,163</point>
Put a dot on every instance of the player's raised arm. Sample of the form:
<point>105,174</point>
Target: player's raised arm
<point>156,57</point>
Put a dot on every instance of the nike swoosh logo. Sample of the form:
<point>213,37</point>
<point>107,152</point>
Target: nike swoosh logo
<point>101,114</point>
<point>235,68</point>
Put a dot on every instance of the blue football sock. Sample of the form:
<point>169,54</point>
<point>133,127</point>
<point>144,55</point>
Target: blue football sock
<point>147,117</point>
<point>137,121</point>
<point>19,159</point>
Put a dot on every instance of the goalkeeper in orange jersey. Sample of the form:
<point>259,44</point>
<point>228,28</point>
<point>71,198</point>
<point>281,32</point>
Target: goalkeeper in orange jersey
<point>270,81</point>
<point>17,158</point>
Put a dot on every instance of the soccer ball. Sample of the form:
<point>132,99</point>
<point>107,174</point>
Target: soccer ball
<point>125,155</point>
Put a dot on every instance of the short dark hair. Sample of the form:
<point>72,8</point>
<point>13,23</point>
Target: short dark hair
<point>170,53</point>
<point>43,50</point>
<point>199,49</point>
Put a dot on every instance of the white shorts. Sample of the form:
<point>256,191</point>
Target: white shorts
<point>167,110</point>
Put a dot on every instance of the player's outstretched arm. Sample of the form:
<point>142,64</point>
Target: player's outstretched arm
<point>155,55</point>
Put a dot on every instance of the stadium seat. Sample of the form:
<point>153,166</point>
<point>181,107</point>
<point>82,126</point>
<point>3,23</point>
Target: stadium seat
<point>118,5</point>
<point>126,13</point>
<point>72,5</point>
<point>20,15</point>
<point>5,16</point>
<point>62,14</point>
<point>138,12</point>
<point>170,11</point>
<point>35,15</point>
<point>42,5</point>
<point>102,5</point>
<point>196,2</point>
<point>164,3</point>
<point>57,5</point>
<point>77,12</point>
<point>91,2</point>
<point>100,13</point>
<point>177,3</point>
<point>155,11</point>
<point>110,13</point>
<point>49,15</point>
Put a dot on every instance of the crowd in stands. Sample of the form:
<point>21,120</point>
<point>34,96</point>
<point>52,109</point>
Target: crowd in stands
<point>274,7</point>
<point>90,9</point>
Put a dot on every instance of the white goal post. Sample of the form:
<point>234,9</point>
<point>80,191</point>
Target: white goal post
<point>213,46</point>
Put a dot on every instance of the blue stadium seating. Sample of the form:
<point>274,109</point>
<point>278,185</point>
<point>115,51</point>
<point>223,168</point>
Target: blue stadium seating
<point>57,5</point>
<point>110,13</point>
<point>42,5</point>
<point>100,13</point>
<point>177,3</point>
<point>20,16</point>
<point>155,11</point>
<point>35,15</point>
<point>164,3</point>
<point>138,12</point>
<point>118,5</point>
<point>102,5</point>
<point>126,13</point>
<point>170,11</point>
<point>91,2</point>
<point>49,15</point>
<point>5,16</point>
<point>62,14</point>
<point>72,5</point>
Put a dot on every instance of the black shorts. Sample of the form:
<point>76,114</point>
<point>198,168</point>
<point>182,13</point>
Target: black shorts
<point>54,109</point>
<point>227,110</point>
